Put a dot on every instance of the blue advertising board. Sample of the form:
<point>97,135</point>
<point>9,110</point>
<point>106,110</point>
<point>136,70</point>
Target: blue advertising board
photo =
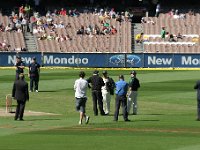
<point>105,60</point>
<point>9,58</point>
<point>158,60</point>
<point>187,60</point>
<point>75,60</point>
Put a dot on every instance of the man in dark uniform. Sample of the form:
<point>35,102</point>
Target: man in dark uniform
<point>134,84</point>
<point>19,66</point>
<point>197,87</point>
<point>20,93</point>
<point>34,71</point>
<point>121,91</point>
<point>97,83</point>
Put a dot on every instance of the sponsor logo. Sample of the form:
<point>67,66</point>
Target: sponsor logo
<point>153,60</point>
<point>12,59</point>
<point>120,60</point>
<point>133,60</point>
<point>117,60</point>
<point>63,60</point>
<point>190,61</point>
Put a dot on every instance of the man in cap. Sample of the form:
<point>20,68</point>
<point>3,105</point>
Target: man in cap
<point>134,84</point>
<point>19,66</point>
<point>107,90</point>
<point>80,88</point>
<point>121,91</point>
<point>97,83</point>
<point>20,93</point>
<point>33,73</point>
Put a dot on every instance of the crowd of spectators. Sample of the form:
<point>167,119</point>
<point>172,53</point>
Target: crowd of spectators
<point>45,27</point>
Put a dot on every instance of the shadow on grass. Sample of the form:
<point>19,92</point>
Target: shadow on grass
<point>43,119</point>
<point>154,114</point>
<point>146,120</point>
<point>52,90</point>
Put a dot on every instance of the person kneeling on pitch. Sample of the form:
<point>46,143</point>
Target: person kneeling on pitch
<point>80,88</point>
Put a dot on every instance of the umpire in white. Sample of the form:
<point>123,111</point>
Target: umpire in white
<point>80,88</point>
<point>134,84</point>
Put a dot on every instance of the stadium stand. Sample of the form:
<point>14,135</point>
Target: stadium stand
<point>182,32</point>
<point>100,29</point>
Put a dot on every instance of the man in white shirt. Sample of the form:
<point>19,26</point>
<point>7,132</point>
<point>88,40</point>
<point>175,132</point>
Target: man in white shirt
<point>106,93</point>
<point>80,88</point>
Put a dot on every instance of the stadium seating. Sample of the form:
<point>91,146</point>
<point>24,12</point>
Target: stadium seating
<point>121,42</point>
<point>188,26</point>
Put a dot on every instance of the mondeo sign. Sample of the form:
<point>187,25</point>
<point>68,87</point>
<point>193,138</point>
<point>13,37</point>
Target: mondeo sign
<point>105,60</point>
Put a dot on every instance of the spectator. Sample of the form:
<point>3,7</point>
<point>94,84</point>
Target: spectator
<point>163,33</point>
<point>27,10</point>
<point>68,25</point>
<point>21,11</point>
<point>81,30</point>
<point>50,37</point>
<point>112,13</point>
<point>139,38</point>
<point>191,12</point>
<point>63,12</point>
<point>113,30</point>
<point>24,24</point>
<point>43,37</point>
<point>127,16</point>
<point>157,10</point>
<point>171,12</point>
<point>119,18</point>
<point>8,28</point>
<point>171,38</point>
<point>2,28</point>
<point>179,36</point>
<point>61,25</point>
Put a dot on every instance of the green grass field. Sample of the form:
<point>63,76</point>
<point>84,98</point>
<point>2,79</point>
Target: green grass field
<point>166,120</point>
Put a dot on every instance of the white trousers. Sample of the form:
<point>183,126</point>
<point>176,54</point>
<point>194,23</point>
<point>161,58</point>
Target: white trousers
<point>132,102</point>
<point>106,101</point>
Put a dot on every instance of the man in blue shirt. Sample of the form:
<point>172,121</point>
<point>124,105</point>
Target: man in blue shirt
<point>121,91</point>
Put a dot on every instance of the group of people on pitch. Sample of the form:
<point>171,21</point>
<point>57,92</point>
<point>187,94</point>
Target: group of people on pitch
<point>102,88</point>
<point>20,87</point>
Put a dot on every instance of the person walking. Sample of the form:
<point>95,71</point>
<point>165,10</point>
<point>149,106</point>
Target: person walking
<point>134,84</point>
<point>107,90</point>
<point>80,88</point>
<point>97,83</point>
<point>19,66</point>
<point>121,91</point>
<point>33,73</point>
<point>197,87</point>
<point>20,93</point>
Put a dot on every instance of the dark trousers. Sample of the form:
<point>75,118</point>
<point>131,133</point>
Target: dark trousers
<point>97,96</point>
<point>20,109</point>
<point>198,109</point>
<point>34,82</point>
<point>118,101</point>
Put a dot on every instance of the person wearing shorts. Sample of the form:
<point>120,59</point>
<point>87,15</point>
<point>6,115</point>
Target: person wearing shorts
<point>80,88</point>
